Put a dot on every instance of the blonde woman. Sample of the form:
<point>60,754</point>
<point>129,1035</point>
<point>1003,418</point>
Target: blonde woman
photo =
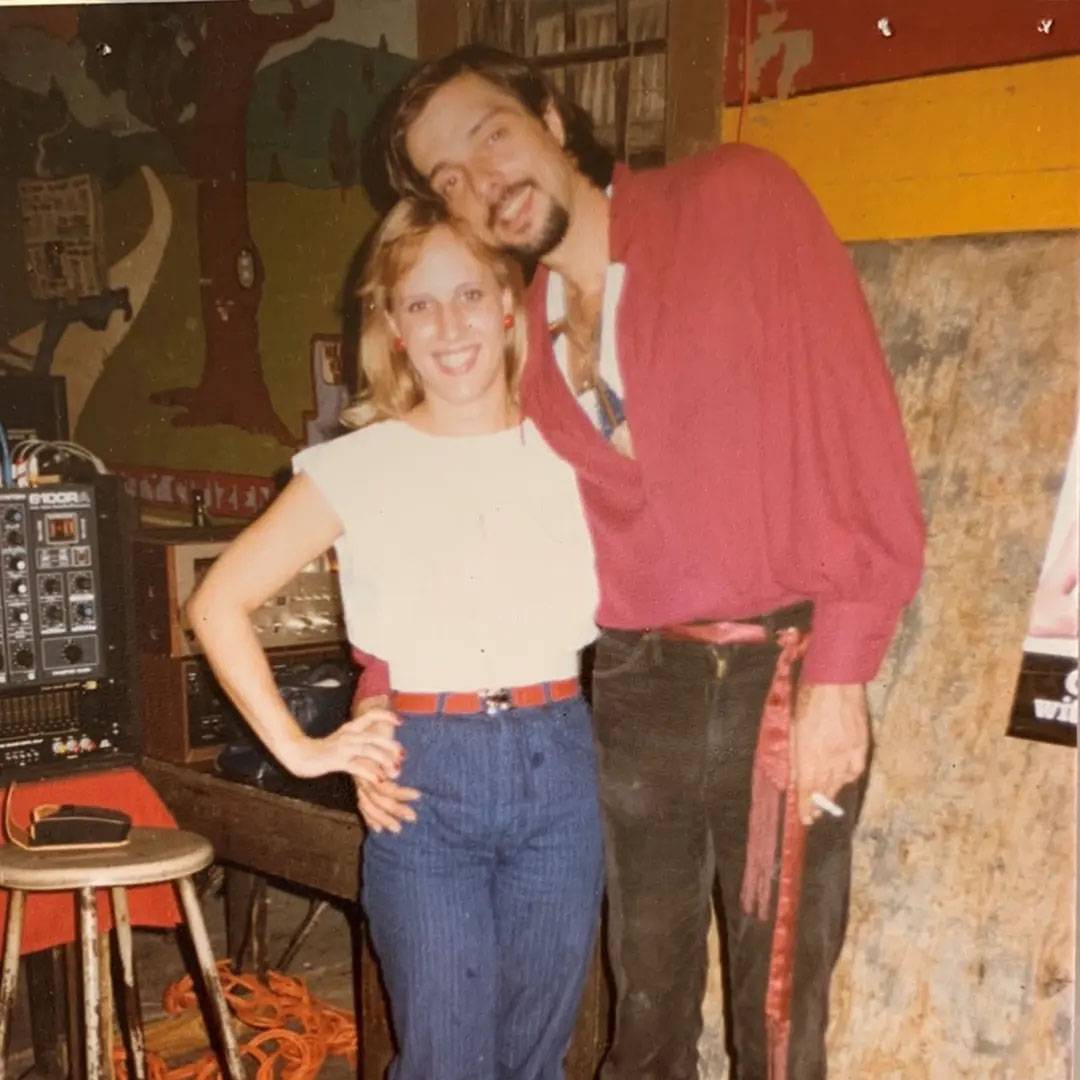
<point>466,565</point>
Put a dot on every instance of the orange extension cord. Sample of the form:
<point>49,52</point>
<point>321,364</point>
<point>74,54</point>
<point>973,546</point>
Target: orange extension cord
<point>294,1029</point>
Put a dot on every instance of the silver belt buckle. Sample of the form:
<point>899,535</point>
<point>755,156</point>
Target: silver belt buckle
<point>495,701</point>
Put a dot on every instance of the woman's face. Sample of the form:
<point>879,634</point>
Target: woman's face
<point>450,312</point>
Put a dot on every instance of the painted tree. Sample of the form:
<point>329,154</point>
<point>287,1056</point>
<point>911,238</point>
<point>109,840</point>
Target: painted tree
<point>189,70</point>
<point>287,97</point>
<point>341,152</point>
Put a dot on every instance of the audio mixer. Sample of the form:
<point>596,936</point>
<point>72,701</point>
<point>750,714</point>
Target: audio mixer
<point>67,687</point>
<point>49,580</point>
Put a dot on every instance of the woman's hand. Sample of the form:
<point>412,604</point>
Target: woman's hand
<point>363,747</point>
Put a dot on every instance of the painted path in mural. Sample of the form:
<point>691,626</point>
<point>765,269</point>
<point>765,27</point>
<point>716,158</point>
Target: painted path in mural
<point>81,354</point>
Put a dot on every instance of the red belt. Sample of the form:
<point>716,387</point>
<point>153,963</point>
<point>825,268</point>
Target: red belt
<point>486,701</point>
<point>716,633</point>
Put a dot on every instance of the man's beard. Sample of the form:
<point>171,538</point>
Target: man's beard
<point>550,236</point>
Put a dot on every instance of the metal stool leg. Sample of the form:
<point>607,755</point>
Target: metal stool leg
<point>91,980</point>
<point>260,906</point>
<point>10,977</point>
<point>197,928</point>
<point>133,1019</point>
<point>303,932</point>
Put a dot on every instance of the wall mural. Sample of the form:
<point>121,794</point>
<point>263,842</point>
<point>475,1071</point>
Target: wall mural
<point>179,202</point>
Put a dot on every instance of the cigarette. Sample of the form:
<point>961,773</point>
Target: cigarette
<point>823,802</point>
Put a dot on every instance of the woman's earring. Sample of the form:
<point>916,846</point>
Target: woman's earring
<point>399,344</point>
<point>508,322</point>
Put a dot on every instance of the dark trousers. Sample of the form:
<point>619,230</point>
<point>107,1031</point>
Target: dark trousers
<point>484,911</point>
<point>677,725</point>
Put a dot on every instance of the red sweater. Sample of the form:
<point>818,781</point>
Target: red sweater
<point>770,464</point>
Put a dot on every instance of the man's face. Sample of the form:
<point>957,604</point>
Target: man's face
<point>495,165</point>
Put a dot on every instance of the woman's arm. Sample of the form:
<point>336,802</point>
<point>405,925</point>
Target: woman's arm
<point>297,527</point>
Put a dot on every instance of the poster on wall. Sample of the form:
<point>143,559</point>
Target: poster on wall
<point>1045,704</point>
<point>328,389</point>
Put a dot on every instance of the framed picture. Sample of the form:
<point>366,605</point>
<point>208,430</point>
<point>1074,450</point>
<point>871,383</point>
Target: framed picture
<point>1044,706</point>
<point>328,389</point>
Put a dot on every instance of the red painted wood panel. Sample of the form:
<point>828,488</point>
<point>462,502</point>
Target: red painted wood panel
<point>826,44</point>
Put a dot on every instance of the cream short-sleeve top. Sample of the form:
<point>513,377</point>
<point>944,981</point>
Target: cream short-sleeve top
<point>465,561</point>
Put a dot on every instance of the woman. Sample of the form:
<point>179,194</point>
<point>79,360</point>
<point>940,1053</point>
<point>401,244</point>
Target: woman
<point>465,564</point>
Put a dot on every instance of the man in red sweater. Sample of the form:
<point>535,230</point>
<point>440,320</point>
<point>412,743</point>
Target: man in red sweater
<point>701,352</point>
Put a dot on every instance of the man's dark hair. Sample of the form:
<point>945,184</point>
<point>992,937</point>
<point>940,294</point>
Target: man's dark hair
<point>511,73</point>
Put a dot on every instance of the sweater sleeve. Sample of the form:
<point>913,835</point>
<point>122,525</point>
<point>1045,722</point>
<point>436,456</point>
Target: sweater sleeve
<point>843,518</point>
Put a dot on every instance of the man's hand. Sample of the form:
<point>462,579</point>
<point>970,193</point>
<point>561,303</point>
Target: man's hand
<point>830,739</point>
<point>383,804</point>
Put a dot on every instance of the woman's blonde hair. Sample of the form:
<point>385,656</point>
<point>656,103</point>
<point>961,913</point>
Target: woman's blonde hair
<point>391,385</point>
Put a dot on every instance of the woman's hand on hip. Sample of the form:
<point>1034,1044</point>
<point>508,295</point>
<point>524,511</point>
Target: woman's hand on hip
<point>364,747</point>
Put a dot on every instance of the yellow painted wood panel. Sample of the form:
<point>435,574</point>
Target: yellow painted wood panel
<point>996,150</point>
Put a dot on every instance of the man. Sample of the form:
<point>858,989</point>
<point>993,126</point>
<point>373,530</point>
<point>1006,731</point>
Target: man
<point>700,351</point>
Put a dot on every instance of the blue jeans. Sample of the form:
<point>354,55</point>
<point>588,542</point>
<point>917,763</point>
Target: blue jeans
<point>483,912</point>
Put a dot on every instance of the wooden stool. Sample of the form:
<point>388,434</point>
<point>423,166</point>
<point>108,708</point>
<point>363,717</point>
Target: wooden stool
<point>149,857</point>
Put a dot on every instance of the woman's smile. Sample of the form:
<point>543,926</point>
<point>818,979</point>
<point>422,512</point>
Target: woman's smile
<point>459,361</point>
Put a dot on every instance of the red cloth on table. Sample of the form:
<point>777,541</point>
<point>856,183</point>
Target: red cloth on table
<point>49,918</point>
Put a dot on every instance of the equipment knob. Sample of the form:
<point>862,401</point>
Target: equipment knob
<point>18,588</point>
<point>12,516</point>
<point>84,611</point>
<point>51,586</point>
<point>21,616</point>
<point>13,538</point>
<point>54,615</point>
<point>17,564</point>
<point>23,658</point>
<point>82,583</point>
<point>73,653</point>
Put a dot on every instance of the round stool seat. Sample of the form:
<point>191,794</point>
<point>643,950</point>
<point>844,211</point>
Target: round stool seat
<point>149,856</point>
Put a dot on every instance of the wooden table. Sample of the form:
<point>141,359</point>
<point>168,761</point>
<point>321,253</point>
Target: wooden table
<point>257,832</point>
